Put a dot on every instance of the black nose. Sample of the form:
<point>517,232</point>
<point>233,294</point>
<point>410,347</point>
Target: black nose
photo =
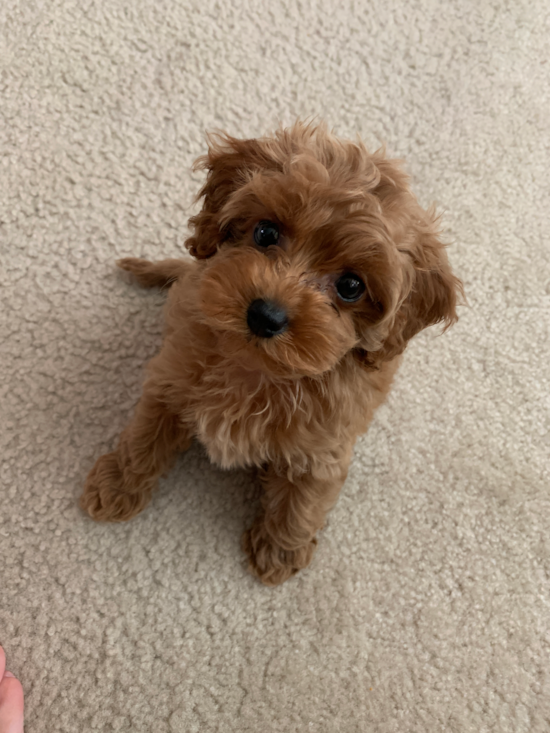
<point>266,319</point>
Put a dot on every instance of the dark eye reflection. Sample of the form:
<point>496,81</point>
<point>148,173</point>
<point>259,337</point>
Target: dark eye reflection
<point>350,287</point>
<point>266,233</point>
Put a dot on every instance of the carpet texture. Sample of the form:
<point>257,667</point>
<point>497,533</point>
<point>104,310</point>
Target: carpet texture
<point>427,606</point>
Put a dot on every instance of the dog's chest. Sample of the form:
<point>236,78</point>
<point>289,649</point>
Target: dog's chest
<point>244,419</point>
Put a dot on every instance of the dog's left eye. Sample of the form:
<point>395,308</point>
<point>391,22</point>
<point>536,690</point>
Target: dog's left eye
<point>350,287</point>
<point>266,233</point>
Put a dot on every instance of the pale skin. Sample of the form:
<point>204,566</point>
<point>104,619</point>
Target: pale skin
<point>11,700</point>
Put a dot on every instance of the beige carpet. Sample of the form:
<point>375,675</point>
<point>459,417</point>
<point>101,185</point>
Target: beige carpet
<point>427,607</point>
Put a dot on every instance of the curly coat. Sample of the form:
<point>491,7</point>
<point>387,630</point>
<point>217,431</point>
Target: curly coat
<point>293,404</point>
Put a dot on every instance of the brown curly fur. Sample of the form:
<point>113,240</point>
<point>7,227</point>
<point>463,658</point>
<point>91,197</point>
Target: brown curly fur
<point>293,404</point>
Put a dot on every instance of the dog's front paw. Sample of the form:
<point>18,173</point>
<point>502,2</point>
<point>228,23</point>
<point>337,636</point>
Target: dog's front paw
<point>270,562</point>
<point>106,499</point>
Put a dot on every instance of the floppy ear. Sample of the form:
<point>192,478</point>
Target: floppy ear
<point>432,292</point>
<point>426,291</point>
<point>435,289</point>
<point>228,163</point>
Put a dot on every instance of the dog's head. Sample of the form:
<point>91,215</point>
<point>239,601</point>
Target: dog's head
<point>315,248</point>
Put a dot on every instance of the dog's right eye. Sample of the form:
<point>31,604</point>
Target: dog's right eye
<point>266,233</point>
<point>350,287</point>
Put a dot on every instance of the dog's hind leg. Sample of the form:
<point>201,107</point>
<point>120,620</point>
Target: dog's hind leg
<point>154,274</point>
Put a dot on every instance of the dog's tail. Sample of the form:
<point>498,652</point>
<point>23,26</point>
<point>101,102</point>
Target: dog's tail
<point>154,274</point>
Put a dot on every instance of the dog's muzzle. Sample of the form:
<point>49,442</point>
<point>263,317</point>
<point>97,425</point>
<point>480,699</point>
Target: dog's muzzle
<point>266,319</point>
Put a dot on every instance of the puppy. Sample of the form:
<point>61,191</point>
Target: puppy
<point>313,266</point>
